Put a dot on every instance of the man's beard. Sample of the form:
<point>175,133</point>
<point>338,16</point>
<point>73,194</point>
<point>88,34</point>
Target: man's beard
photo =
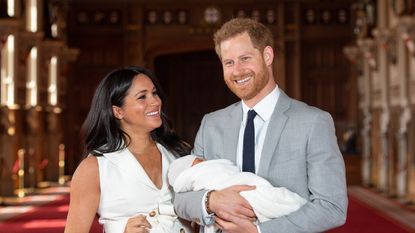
<point>259,80</point>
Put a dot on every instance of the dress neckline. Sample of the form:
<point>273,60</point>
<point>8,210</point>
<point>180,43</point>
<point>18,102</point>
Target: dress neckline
<point>143,173</point>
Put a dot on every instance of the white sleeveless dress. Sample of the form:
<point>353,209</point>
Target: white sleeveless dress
<point>127,191</point>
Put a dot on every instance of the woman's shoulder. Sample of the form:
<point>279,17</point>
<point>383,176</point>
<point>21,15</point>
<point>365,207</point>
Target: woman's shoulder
<point>90,160</point>
<point>88,166</point>
<point>86,175</point>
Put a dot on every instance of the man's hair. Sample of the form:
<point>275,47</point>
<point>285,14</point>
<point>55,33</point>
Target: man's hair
<point>259,34</point>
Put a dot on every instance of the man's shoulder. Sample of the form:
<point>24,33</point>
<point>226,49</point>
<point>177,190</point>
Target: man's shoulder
<point>224,112</point>
<point>302,109</point>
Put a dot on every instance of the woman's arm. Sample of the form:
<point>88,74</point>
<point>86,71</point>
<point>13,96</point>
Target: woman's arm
<point>84,197</point>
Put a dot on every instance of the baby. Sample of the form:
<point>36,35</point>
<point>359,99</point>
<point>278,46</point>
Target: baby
<point>192,173</point>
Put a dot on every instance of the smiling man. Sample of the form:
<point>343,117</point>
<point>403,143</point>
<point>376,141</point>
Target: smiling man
<point>285,141</point>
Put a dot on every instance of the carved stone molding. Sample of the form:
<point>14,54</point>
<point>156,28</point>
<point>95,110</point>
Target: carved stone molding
<point>382,35</point>
<point>366,141</point>
<point>387,57</point>
<point>407,32</point>
<point>402,137</point>
<point>368,48</point>
<point>353,53</point>
<point>407,23</point>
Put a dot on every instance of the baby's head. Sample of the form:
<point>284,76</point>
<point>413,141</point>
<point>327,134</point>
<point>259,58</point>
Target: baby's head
<point>179,165</point>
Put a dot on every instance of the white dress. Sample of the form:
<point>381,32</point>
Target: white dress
<point>127,191</point>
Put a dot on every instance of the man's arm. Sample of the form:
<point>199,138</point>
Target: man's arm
<point>189,205</point>
<point>327,204</point>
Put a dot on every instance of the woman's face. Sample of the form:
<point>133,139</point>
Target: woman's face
<point>142,107</point>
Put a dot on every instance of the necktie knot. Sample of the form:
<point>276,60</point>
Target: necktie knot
<point>251,115</point>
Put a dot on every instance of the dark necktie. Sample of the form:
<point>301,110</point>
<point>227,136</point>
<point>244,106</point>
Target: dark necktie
<point>248,153</point>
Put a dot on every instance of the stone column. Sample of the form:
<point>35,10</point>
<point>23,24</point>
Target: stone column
<point>366,47</point>
<point>383,36</point>
<point>406,45</point>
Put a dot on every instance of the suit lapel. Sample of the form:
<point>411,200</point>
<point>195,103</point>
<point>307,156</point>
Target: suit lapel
<point>275,128</point>
<point>231,134</point>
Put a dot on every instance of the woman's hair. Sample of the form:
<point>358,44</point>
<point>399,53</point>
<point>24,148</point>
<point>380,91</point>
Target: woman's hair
<point>259,34</point>
<point>101,130</point>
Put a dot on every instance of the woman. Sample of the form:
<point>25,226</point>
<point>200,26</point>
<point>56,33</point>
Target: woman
<point>130,146</point>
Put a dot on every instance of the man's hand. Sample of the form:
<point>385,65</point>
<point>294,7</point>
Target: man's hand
<point>234,224</point>
<point>229,202</point>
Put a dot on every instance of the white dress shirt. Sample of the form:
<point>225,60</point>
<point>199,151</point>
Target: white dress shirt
<point>264,110</point>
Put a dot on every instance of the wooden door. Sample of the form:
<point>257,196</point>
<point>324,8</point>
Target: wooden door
<point>194,86</point>
<point>325,82</point>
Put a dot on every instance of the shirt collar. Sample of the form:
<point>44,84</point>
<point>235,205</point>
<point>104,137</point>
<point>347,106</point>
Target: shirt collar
<point>265,107</point>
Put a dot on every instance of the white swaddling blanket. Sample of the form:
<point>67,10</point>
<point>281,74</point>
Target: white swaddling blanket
<point>267,201</point>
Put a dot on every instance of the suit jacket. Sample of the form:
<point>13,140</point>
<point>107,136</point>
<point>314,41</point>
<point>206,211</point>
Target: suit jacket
<point>300,153</point>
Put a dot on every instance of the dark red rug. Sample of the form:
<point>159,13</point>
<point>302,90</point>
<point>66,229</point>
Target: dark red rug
<point>48,218</point>
<point>362,218</point>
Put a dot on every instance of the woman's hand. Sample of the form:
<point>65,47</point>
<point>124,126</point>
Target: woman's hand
<point>137,224</point>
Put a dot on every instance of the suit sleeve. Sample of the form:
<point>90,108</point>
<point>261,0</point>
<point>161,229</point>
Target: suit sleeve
<point>327,204</point>
<point>188,205</point>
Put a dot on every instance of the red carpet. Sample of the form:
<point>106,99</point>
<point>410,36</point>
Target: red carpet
<point>362,218</point>
<point>50,218</point>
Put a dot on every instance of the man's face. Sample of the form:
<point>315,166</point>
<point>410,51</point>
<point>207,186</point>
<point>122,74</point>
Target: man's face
<point>244,68</point>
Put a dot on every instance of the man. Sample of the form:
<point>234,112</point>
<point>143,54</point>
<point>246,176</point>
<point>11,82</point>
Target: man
<point>285,141</point>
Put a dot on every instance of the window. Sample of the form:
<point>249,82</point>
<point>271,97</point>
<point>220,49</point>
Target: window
<point>31,83</point>
<point>31,16</point>
<point>53,79</point>
<point>11,8</point>
<point>7,72</point>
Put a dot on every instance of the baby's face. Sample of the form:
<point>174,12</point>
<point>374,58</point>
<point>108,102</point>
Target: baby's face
<point>196,161</point>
